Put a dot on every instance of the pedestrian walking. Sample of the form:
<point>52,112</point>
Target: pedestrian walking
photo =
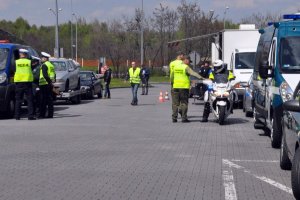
<point>181,85</point>
<point>46,80</point>
<point>145,80</point>
<point>107,79</point>
<point>23,79</point>
<point>134,76</point>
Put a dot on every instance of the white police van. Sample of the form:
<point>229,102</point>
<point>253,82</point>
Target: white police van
<point>276,74</point>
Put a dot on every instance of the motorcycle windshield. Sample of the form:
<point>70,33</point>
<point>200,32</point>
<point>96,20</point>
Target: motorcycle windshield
<point>220,78</point>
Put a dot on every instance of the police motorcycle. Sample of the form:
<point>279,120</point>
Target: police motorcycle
<point>220,95</point>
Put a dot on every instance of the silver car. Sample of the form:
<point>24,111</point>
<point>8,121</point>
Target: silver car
<point>248,99</point>
<point>67,74</point>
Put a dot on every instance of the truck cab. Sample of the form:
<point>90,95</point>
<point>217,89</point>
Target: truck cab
<point>241,65</point>
<point>276,74</point>
<point>9,53</point>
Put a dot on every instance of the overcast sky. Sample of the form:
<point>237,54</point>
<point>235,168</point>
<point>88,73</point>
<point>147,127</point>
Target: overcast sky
<point>36,11</point>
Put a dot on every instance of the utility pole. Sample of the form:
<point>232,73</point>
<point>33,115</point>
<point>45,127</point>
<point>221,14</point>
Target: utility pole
<point>57,50</point>
<point>142,34</point>
<point>76,37</point>
<point>224,20</point>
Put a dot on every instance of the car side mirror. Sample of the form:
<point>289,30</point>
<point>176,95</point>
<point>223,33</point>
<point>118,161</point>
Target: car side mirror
<point>71,69</point>
<point>265,70</point>
<point>292,105</point>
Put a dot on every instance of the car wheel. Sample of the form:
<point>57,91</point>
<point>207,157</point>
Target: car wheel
<point>296,174</point>
<point>78,85</point>
<point>92,94</point>
<point>275,134</point>
<point>285,162</point>
<point>244,108</point>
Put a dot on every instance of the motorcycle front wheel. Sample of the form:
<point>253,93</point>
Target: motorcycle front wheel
<point>222,110</point>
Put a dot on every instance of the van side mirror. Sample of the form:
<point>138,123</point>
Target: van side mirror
<point>292,105</point>
<point>264,70</point>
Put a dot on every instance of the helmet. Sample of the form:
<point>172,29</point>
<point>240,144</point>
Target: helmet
<point>219,66</point>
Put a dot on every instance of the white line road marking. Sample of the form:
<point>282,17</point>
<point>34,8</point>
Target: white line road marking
<point>275,184</point>
<point>228,180</point>
<point>258,161</point>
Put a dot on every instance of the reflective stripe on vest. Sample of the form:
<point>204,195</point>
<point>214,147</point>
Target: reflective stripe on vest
<point>135,76</point>
<point>50,71</point>
<point>181,79</point>
<point>23,71</point>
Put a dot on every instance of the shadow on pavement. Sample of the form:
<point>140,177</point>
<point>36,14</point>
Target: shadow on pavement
<point>232,121</point>
<point>57,116</point>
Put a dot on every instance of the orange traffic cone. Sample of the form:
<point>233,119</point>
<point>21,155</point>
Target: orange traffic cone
<point>161,98</point>
<point>167,96</point>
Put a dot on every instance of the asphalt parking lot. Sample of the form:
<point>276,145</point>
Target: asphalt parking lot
<point>107,149</point>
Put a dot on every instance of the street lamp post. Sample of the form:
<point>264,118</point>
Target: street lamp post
<point>57,50</point>
<point>142,34</point>
<point>224,20</point>
<point>76,37</point>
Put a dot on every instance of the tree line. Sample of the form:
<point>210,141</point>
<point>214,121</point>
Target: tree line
<point>119,40</point>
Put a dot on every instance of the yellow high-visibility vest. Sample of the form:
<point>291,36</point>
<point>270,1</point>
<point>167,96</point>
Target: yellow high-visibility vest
<point>181,79</point>
<point>50,71</point>
<point>23,71</point>
<point>173,64</point>
<point>135,75</point>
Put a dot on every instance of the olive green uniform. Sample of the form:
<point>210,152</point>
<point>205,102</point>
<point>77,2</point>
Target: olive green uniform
<point>181,85</point>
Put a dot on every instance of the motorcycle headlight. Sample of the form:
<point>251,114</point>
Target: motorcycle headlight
<point>3,77</point>
<point>286,92</point>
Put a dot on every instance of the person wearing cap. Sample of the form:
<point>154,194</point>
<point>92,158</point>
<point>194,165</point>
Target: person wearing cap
<point>177,61</point>
<point>134,75</point>
<point>23,79</point>
<point>181,85</point>
<point>46,80</point>
<point>219,67</point>
<point>145,80</point>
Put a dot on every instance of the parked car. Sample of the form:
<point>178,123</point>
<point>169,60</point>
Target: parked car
<point>290,151</point>
<point>9,53</point>
<point>248,99</point>
<point>67,74</point>
<point>91,84</point>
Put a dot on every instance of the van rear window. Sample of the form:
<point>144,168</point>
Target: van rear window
<point>3,57</point>
<point>245,60</point>
<point>289,55</point>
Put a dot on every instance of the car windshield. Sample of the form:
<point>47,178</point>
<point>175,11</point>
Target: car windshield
<point>289,55</point>
<point>3,57</point>
<point>220,78</point>
<point>245,60</point>
<point>59,65</point>
<point>85,76</point>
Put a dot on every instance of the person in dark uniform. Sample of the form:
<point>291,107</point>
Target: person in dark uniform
<point>145,80</point>
<point>204,72</point>
<point>107,79</point>
<point>46,80</point>
<point>23,79</point>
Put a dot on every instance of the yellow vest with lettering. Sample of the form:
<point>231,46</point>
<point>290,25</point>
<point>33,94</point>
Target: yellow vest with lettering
<point>181,79</point>
<point>173,64</point>
<point>23,71</point>
<point>135,76</point>
<point>50,71</point>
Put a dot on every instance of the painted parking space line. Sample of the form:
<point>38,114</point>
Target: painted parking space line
<point>228,165</point>
<point>257,161</point>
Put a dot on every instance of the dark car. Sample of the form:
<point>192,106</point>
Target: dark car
<point>91,84</point>
<point>290,151</point>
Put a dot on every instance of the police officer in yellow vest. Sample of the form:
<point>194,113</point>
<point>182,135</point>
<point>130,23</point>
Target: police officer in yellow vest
<point>46,80</point>
<point>177,61</point>
<point>180,77</point>
<point>134,76</point>
<point>219,68</point>
<point>23,79</point>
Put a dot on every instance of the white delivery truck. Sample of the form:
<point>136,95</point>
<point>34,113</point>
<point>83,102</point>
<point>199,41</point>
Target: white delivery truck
<point>237,48</point>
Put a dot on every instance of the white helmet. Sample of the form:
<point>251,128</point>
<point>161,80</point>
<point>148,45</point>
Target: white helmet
<point>219,66</point>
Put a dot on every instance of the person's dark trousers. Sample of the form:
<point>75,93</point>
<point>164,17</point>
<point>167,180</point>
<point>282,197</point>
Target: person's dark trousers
<point>180,100</point>
<point>107,91</point>
<point>206,112</point>
<point>21,89</point>
<point>134,89</point>
<point>46,101</point>
<point>145,86</point>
